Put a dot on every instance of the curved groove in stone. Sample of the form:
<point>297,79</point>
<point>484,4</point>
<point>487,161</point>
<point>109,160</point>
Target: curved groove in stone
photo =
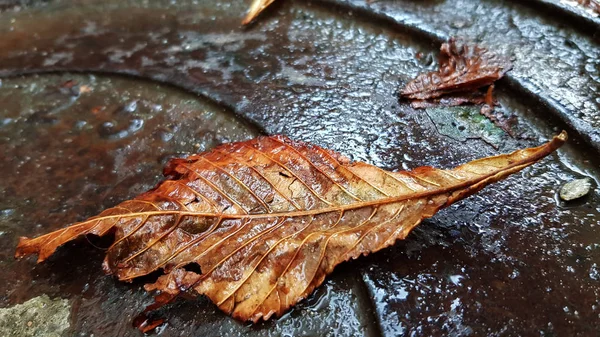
<point>577,17</point>
<point>158,79</point>
<point>560,115</point>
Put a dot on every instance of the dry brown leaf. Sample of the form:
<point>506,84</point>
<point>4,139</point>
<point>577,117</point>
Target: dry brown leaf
<point>255,9</point>
<point>266,220</point>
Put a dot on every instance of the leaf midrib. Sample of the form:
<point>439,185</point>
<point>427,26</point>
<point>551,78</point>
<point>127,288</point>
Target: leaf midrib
<point>357,205</point>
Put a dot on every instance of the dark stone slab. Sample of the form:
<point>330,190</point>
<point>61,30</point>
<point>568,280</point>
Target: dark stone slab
<point>512,259</point>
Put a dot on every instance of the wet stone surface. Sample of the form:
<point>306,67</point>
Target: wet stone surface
<point>512,259</point>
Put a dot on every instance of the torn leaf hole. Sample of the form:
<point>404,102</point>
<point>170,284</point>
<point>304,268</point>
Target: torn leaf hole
<point>193,267</point>
<point>101,243</point>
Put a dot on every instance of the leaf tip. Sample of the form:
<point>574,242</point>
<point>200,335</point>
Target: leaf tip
<point>255,9</point>
<point>23,248</point>
<point>247,19</point>
<point>558,141</point>
<point>563,136</point>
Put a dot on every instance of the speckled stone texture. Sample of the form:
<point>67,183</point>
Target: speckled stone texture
<point>38,317</point>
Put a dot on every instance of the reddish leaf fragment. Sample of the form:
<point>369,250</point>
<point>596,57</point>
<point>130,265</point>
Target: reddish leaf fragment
<point>256,226</point>
<point>68,84</point>
<point>591,4</point>
<point>464,68</point>
<point>145,324</point>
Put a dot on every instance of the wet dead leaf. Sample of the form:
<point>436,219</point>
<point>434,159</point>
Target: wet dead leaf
<point>257,225</point>
<point>464,68</point>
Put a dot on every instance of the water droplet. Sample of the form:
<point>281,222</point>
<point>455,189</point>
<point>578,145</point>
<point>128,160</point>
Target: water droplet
<point>107,129</point>
<point>166,136</point>
<point>595,273</point>
<point>5,121</point>
<point>7,212</point>
<point>455,279</point>
<point>79,125</point>
<point>131,106</point>
<point>136,125</point>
